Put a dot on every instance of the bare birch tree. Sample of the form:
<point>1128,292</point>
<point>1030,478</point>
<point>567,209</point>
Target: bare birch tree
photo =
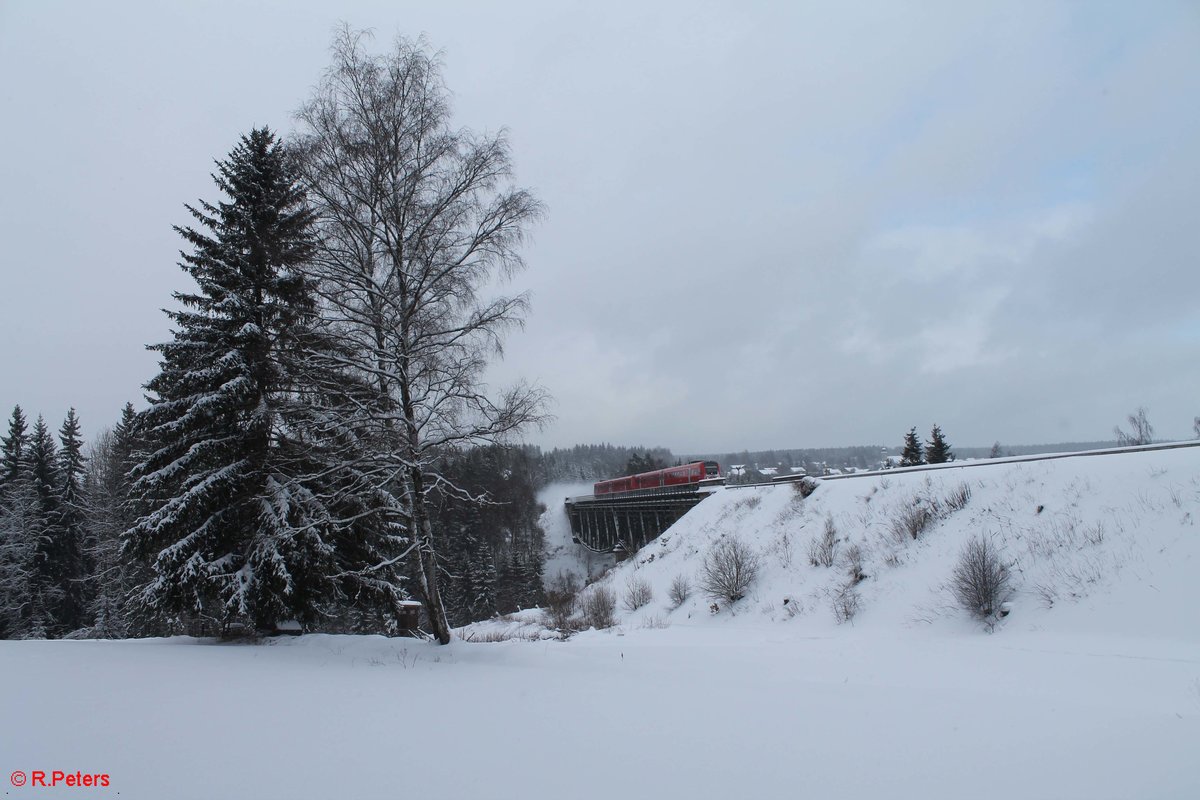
<point>418,221</point>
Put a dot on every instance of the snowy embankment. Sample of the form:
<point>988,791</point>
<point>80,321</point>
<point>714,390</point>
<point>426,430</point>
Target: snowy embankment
<point>1090,688</point>
<point>1105,544</point>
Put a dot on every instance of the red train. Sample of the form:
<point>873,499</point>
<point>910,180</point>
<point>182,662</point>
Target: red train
<point>671,476</point>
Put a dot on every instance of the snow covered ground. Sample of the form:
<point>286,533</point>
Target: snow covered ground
<point>1090,688</point>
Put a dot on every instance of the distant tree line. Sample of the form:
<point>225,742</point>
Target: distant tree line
<point>44,539</point>
<point>595,462</point>
<point>66,509</point>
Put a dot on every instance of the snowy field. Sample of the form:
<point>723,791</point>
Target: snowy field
<point>1089,688</point>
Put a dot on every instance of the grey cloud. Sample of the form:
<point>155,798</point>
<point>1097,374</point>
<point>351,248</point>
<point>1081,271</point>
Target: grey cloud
<point>769,224</point>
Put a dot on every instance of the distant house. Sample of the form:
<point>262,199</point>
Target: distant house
<point>769,471</point>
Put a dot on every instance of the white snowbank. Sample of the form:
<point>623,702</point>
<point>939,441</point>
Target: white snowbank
<point>1089,689</point>
<point>1104,544</point>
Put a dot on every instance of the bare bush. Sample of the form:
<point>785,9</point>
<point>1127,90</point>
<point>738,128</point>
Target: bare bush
<point>852,559</point>
<point>823,549</point>
<point>958,498</point>
<point>599,605</point>
<point>913,520</point>
<point>637,593</point>
<point>783,548</point>
<point>560,600</point>
<point>981,581</point>
<point>681,590</point>
<point>749,502</point>
<point>729,568</point>
<point>1047,592</point>
<point>846,603</point>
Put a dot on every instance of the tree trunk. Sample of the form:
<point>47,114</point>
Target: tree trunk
<point>427,557</point>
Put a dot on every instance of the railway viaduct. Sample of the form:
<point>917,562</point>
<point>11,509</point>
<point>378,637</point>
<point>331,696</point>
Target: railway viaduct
<point>622,523</point>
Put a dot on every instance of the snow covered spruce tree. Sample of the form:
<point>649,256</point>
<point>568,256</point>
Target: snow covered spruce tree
<point>28,511</point>
<point>417,220</point>
<point>53,561</point>
<point>20,529</point>
<point>71,524</point>
<point>252,507</point>
<point>913,454</point>
<point>12,446</point>
<point>938,450</point>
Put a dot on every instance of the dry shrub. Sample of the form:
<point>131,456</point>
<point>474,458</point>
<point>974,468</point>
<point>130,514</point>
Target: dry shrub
<point>981,582</point>
<point>493,636</point>
<point>846,603</point>
<point>637,593</point>
<point>599,605</point>
<point>958,498</point>
<point>783,549</point>
<point>853,561</point>
<point>681,590</point>
<point>823,549</point>
<point>913,520</point>
<point>749,502</point>
<point>560,600</point>
<point>729,568</point>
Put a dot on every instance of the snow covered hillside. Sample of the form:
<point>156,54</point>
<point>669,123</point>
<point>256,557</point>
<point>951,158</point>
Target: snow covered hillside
<point>1103,543</point>
<point>1089,688</point>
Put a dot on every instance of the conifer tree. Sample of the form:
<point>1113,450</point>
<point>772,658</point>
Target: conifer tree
<point>51,559</point>
<point>250,508</point>
<point>912,454</point>
<point>21,530</point>
<point>482,578</point>
<point>28,503</point>
<point>70,524</point>
<point>12,446</point>
<point>937,451</point>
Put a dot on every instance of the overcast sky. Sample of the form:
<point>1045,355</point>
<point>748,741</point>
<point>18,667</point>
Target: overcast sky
<point>769,224</point>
